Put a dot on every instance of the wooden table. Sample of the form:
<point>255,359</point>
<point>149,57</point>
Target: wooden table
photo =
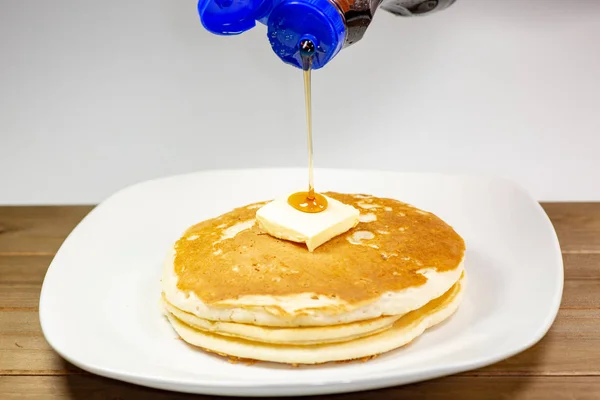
<point>564,365</point>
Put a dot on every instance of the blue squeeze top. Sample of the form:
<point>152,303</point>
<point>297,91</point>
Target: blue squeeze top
<point>288,22</point>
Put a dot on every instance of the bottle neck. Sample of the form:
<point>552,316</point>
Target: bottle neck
<point>411,8</point>
<point>358,15</point>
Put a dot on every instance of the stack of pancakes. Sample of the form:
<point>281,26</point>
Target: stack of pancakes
<point>232,289</point>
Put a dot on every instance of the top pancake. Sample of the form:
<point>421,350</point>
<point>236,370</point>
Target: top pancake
<point>228,262</point>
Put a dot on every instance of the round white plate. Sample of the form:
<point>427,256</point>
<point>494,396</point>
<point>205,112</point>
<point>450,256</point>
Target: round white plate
<point>99,306</point>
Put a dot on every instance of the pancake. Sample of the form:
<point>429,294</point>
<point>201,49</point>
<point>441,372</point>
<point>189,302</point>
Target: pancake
<point>394,261</point>
<point>403,331</point>
<point>277,335</point>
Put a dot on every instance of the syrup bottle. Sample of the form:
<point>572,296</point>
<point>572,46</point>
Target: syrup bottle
<point>331,25</point>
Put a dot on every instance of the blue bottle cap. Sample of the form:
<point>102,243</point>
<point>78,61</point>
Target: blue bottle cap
<point>231,17</point>
<point>294,20</point>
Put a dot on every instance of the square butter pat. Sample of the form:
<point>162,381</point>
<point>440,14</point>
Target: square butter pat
<point>283,221</point>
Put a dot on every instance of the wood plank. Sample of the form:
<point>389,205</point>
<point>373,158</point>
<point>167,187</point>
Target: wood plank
<point>18,297</point>
<point>581,294</point>
<point>449,388</point>
<point>572,347</point>
<point>582,266</point>
<point>577,225</point>
<point>37,229</point>
<point>21,280</point>
<point>24,269</point>
<point>582,281</point>
<point>24,349</point>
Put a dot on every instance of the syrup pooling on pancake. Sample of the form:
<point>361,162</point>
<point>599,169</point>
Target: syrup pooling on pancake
<point>229,257</point>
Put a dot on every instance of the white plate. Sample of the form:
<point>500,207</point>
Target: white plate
<point>99,303</point>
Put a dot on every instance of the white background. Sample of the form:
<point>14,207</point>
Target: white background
<point>97,95</point>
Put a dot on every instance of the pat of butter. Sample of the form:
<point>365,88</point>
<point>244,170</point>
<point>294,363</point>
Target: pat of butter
<point>283,221</point>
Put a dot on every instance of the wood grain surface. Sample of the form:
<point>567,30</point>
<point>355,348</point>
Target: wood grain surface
<point>564,365</point>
